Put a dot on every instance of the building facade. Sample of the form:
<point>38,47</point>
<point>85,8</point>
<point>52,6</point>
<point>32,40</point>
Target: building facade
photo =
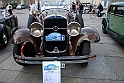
<point>94,2</point>
<point>5,2</point>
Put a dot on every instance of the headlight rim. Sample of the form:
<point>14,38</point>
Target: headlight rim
<point>78,26</point>
<point>37,29</point>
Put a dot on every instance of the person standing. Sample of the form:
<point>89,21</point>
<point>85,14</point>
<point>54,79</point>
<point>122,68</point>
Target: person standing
<point>73,6</point>
<point>100,9</point>
<point>81,8</point>
<point>10,10</point>
<point>32,8</point>
<point>90,7</point>
<point>7,7</point>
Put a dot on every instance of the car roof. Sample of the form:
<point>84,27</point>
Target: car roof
<point>118,3</point>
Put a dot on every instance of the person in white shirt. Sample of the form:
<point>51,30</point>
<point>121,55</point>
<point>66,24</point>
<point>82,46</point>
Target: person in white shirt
<point>7,7</point>
<point>32,8</point>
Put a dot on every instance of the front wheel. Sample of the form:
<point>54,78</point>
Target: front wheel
<point>25,48</point>
<point>16,52</point>
<point>85,50</point>
<point>4,39</point>
<point>104,25</point>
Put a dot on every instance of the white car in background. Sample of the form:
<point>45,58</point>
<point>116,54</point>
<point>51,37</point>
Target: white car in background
<point>21,6</point>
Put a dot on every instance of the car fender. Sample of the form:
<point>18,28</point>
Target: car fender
<point>86,34</point>
<point>89,34</point>
<point>6,28</point>
<point>24,35</point>
<point>21,35</point>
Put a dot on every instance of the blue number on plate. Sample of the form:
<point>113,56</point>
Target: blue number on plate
<point>55,37</point>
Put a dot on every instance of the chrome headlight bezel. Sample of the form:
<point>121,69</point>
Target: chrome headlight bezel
<point>36,29</point>
<point>73,28</point>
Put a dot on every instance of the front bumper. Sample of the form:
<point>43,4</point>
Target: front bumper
<point>62,59</point>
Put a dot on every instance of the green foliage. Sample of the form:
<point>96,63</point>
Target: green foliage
<point>14,5</point>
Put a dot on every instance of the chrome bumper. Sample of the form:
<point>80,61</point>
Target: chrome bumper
<point>62,59</point>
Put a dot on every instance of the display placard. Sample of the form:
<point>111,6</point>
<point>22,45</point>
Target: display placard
<point>51,72</point>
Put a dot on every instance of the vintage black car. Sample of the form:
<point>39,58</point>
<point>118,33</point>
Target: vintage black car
<point>8,24</point>
<point>58,35</point>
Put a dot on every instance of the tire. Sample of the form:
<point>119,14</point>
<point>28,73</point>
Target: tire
<point>104,25</point>
<point>85,50</point>
<point>4,39</point>
<point>80,20</point>
<point>16,51</point>
<point>93,16</point>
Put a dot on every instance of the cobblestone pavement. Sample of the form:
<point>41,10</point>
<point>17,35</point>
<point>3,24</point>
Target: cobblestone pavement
<point>108,67</point>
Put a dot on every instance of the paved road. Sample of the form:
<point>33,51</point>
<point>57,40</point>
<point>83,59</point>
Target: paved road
<point>108,67</point>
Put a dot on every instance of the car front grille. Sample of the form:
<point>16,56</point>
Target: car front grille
<point>61,24</point>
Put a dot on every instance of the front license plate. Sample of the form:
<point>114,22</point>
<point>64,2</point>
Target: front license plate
<point>62,66</point>
<point>55,37</point>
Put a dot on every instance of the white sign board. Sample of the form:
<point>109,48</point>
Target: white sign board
<point>51,72</point>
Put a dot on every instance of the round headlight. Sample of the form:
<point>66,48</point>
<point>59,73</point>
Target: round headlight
<point>73,28</point>
<point>36,29</point>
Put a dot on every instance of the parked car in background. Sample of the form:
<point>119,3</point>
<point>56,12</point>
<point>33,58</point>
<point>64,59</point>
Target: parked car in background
<point>114,23</point>
<point>21,6</point>
<point>57,35</point>
<point>8,24</point>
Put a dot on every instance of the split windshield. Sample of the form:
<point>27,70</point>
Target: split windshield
<point>54,3</point>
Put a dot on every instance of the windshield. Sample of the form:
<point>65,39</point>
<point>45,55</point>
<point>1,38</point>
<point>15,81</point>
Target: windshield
<point>45,4</point>
<point>56,11</point>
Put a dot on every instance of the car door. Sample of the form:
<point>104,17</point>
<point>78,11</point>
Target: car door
<point>111,17</point>
<point>119,20</point>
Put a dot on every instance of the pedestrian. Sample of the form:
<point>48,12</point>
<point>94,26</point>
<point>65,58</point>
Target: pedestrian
<point>81,8</point>
<point>38,6</point>
<point>10,12</point>
<point>100,9</point>
<point>73,7</point>
<point>32,8</point>
<point>7,7</point>
<point>90,7</point>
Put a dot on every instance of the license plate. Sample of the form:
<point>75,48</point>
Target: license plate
<point>55,37</point>
<point>62,65</point>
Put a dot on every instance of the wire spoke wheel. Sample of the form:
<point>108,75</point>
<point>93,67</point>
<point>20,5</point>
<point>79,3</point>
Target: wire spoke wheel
<point>5,40</point>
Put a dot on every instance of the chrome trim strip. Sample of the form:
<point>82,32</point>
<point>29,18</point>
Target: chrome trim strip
<point>52,28</point>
